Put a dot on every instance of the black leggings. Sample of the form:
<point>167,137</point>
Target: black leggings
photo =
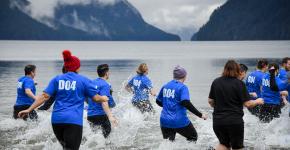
<point>32,115</point>
<point>268,112</point>
<point>69,135</point>
<point>144,106</point>
<point>100,121</point>
<point>188,131</point>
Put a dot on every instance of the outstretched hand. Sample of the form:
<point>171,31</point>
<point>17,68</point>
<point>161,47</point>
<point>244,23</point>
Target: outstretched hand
<point>23,113</point>
<point>204,116</point>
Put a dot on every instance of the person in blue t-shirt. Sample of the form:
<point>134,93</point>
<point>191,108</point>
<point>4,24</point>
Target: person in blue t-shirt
<point>141,86</point>
<point>51,100</point>
<point>174,99</point>
<point>254,83</point>
<point>285,66</point>
<point>99,114</point>
<point>272,85</point>
<point>70,90</point>
<point>26,93</point>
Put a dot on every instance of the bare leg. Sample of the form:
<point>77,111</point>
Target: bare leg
<point>221,147</point>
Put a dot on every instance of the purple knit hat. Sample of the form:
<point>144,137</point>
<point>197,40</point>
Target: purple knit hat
<point>179,72</point>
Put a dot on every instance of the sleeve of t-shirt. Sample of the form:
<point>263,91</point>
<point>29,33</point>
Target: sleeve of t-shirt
<point>51,88</point>
<point>160,95</point>
<point>184,94</point>
<point>244,93</point>
<point>90,88</point>
<point>211,92</point>
<point>130,82</point>
<point>28,84</point>
<point>281,84</point>
<point>105,90</point>
<point>148,84</point>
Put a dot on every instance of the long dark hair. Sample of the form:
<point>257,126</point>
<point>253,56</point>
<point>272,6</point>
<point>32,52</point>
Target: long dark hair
<point>231,69</point>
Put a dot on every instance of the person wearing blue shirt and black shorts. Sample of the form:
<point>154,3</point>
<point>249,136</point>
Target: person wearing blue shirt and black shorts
<point>228,94</point>
<point>285,67</point>
<point>175,100</point>
<point>99,114</point>
<point>254,83</point>
<point>70,90</point>
<point>26,93</point>
<point>272,85</point>
<point>141,86</point>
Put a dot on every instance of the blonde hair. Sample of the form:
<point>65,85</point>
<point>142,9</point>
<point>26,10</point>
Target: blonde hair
<point>142,69</point>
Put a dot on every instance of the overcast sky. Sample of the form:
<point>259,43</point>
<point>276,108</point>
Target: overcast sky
<point>183,17</point>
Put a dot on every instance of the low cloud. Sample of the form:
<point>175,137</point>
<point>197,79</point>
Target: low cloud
<point>183,17</point>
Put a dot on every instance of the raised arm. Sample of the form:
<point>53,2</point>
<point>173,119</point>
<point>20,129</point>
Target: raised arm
<point>97,98</point>
<point>38,101</point>
<point>253,103</point>
<point>29,93</point>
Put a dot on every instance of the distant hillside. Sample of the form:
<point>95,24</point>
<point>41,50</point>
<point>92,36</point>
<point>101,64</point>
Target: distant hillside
<point>95,21</point>
<point>248,20</point>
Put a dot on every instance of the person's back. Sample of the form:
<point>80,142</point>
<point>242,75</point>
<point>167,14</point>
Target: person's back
<point>270,96</point>
<point>254,82</point>
<point>141,85</point>
<point>22,98</point>
<point>69,100</point>
<point>173,114</point>
<point>96,108</point>
<point>229,99</point>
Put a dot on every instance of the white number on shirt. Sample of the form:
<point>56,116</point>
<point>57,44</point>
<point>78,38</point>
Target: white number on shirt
<point>67,85</point>
<point>266,82</point>
<point>19,85</point>
<point>137,83</point>
<point>168,93</point>
<point>251,79</point>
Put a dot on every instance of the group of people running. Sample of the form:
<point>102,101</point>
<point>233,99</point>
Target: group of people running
<point>228,94</point>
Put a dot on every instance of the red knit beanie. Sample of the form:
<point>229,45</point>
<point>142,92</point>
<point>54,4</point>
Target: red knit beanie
<point>71,63</point>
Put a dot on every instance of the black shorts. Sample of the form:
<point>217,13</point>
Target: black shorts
<point>102,121</point>
<point>231,136</point>
<point>32,115</point>
<point>268,112</point>
<point>188,131</point>
<point>69,135</point>
<point>143,106</point>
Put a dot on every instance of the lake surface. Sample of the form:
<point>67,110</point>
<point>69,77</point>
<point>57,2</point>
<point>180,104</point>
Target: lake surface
<point>203,60</point>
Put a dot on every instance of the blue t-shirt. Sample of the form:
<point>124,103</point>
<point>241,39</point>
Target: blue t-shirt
<point>173,114</point>
<point>70,90</point>
<point>282,74</point>
<point>254,82</point>
<point>104,89</point>
<point>269,96</point>
<point>141,85</point>
<point>24,82</point>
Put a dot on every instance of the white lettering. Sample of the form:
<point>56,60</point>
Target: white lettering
<point>137,83</point>
<point>19,85</point>
<point>67,85</point>
<point>251,79</point>
<point>266,82</point>
<point>168,93</point>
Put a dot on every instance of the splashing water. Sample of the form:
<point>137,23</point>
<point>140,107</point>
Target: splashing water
<point>142,131</point>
